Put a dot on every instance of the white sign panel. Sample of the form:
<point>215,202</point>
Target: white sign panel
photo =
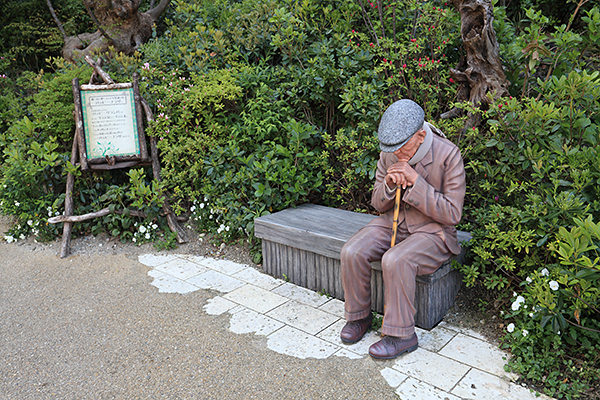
<point>110,123</point>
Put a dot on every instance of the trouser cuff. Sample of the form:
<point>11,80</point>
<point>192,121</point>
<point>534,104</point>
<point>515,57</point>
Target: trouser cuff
<point>357,315</point>
<point>397,332</point>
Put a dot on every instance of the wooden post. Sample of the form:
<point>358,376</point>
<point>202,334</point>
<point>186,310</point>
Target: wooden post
<point>171,218</point>
<point>68,226</point>
<point>79,125</point>
<point>138,113</point>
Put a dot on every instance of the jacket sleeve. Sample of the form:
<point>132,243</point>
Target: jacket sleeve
<point>381,200</point>
<point>444,206</point>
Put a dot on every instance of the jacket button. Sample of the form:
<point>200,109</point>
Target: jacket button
<point>416,204</point>
<point>410,200</point>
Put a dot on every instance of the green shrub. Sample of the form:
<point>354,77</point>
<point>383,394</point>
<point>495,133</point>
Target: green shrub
<point>31,174</point>
<point>533,175</point>
<point>191,116</point>
<point>414,52</point>
<point>557,316</point>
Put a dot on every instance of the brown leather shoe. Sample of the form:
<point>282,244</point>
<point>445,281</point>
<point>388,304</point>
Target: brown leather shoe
<point>392,347</point>
<point>353,331</point>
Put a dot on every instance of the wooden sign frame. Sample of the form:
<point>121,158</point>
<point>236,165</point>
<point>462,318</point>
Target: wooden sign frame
<point>112,160</point>
<point>112,121</point>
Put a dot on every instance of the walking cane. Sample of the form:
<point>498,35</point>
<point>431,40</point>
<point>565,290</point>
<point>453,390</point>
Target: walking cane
<point>396,212</point>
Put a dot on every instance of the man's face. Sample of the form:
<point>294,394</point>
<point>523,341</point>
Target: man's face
<point>409,149</point>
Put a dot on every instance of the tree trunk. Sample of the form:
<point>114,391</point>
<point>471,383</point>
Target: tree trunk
<point>121,28</point>
<point>479,72</point>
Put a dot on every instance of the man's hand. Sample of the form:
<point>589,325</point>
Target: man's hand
<point>401,174</point>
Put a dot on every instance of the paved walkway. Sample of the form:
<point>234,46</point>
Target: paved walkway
<point>450,363</point>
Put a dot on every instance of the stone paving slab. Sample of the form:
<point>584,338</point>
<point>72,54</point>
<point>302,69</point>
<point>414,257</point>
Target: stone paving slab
<point>451,363</point>
<point>308,319</point>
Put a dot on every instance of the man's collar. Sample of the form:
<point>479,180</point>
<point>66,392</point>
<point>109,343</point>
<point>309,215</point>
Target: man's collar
<point>424,147</point>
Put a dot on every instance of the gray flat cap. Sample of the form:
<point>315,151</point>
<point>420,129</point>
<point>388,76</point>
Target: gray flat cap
<point>398,124</point>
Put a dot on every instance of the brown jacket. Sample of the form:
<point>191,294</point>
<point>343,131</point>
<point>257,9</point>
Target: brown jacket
<point>434,204</point>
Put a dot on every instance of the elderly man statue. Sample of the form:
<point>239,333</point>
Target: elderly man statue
<point>429,169</point>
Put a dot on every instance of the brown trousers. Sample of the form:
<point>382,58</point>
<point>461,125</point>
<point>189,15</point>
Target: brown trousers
<point>414,254</point>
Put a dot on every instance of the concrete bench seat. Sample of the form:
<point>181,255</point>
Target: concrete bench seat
<point>303,245</point>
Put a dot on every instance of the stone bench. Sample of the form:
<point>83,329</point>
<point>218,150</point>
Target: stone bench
<point>302,245</point>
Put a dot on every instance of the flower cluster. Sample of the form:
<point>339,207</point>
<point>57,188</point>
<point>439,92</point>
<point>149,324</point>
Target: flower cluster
<point>534,307</point>
<point>31,220</point>
<point>211,219</point>
<point>145,233</point>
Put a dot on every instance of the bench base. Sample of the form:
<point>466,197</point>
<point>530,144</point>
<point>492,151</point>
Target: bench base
<point>434,295</point>
<point>287,254</point>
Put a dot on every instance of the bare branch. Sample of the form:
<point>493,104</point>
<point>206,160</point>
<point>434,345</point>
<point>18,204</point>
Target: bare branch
<point>158,10</point>
<point>93,17</point>
<point>60,27</point>
<point>101,73</point>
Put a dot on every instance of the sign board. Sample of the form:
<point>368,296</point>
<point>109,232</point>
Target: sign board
<point>110,123</point>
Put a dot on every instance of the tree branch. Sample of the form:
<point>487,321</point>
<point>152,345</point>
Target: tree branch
<point>368,22</point>
<point>93,17</point>
<point>582,327</point>
<point>159,9</point>
<point>60,27</point>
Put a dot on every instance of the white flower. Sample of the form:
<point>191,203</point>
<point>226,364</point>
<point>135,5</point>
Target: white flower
<point>9,238</point>
<point>525,332</point>
<point>30,222</point>
<point>531,314</point>
<point>147,236</point>
<point>22,237</point>
<point>193,208</point>
<point>142,229</point>
<point>134,240</point>
<point>528,280</point>
<point>205,199</point>
<point>227,228</point>
<point>517,303</point>
<point>154,226</point>
<point>514,294</point>
<point>201,205</point>
<point>17,204</point>
<point>553,285</point>
<point>510,328</point>
<point>545,272</point>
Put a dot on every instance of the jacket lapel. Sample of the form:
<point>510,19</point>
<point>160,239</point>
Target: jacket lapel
<point>421,166</point>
